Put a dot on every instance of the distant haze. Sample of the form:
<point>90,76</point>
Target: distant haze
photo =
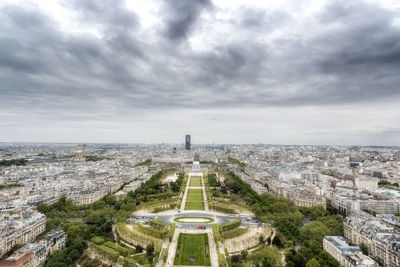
<point>251,71</point>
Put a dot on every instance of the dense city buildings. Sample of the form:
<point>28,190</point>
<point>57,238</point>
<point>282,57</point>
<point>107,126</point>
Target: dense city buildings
<point>360,183</point>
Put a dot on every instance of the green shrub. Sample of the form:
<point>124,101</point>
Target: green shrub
<point>234,233</point>
<point>171,231</point>
<point>105,251</point>
<point>230,225</point>
<point>157,224</point>
<point>97,240</point>
<point>128,262</point>
<point>148,230</point>
<point>223,209</point>
<point>123,251</point>
<point>216,234</point>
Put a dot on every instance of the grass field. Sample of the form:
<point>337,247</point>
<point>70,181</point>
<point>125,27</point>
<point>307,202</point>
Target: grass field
<point>195,182</point>
<point>194,200</point>
<point>192,249</point>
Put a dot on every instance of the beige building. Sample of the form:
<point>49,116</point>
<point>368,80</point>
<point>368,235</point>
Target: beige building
<point>20,229</point>
<point>18,260</point>
<point>346,255</point>
<point>86,197</point>
<point>382,240</point>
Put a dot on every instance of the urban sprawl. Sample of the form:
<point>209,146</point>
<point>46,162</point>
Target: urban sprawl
<point>201,205</point>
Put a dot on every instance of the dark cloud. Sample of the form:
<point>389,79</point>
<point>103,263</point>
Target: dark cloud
<point>181,15</point>
<point>107,12</point>
<point>259,61</point>
<point>251,17</point>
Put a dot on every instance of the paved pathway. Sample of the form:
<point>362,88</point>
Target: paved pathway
<point>185,195</point>
<point>213,249</point>
<point>172,248</point>
<point>204,194</point>
<point>160,262</point>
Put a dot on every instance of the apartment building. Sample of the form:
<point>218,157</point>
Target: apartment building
<point>346,255</point>
<point>382,240</point>
<point>20,228</point>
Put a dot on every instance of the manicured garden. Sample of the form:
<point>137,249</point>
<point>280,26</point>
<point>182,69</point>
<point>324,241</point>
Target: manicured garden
<point>195,181</point>
<point>193,249</point>
<point>194,200</point>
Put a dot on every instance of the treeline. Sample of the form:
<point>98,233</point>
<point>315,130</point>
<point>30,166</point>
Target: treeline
<point>175,186</point>
<point>11,162</point>
<point>236,161</point>
<point>95,158</point>
<point>289,220</point>
<point>386,182</point>
<point>146,162</point>
<point>2,186</point>
<point>213,181</point>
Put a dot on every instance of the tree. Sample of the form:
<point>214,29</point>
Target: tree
<point>52,223</point>
<point>93,263</point>
<point>75,230</point>
<point>139,249</point>
<point>43,208</point>
<point>312,263</point>
<point>97,205</point>
<point>236,258</point>
<point>277,241</point>
<point>243,254</point>
<point>298,217</point>
<point>110,200</point>
<point>279,207</point>
<point>261,240</point>
<point>267,256</point>
<point>150,249</point>
<point>314,231</point>
<point>364,248</point>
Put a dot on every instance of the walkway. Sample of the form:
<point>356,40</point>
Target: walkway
<point>204,194</point>
<point>185,195</point>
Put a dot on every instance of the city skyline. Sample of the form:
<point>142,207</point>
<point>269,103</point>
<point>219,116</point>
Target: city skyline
<point>292,72</point>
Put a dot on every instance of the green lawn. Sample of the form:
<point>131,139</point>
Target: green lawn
<point>194,200</point>
<point>195,182</point>
<point>192,249</point>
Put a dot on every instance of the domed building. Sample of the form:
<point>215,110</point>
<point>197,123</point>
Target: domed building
<point>79,155</point>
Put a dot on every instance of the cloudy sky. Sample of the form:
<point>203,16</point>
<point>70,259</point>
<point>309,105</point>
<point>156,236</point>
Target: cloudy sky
<point>225,71</point>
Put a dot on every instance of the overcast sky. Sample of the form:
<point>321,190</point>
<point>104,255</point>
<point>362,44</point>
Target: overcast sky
<point>225,71</point>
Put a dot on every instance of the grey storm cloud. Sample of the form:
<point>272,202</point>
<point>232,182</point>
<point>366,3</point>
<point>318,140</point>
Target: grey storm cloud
<point>256,60</point>
<point>182,15</point>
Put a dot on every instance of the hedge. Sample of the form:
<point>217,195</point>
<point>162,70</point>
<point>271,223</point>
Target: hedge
<point>215,231</point>
<point>230,225</point>
<point>148,230</point>
<point>222,209</point>
<point>123,251</point>
<point>134,237</point>
<point>157,224</point>
<point>129,262</point>
<point>97,240</point>
<point>105,251</point>
<point>171,231</point>
<point>234,233</point>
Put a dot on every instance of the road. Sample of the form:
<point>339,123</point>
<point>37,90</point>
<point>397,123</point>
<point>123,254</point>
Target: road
<point>218,218</point>
<point>192,227</point>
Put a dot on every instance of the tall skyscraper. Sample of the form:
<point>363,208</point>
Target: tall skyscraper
<point>187,142</point>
